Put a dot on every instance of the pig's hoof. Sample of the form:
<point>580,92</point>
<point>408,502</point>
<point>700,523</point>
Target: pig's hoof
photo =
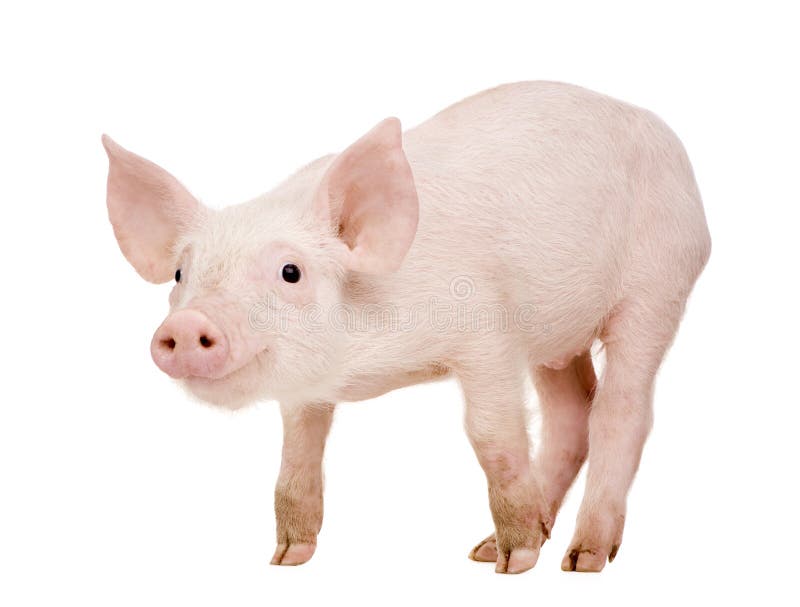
<point>486,551</point>
<point>292,554</point>
<point>518,561</point>
<point>583,559</point>
<point>596,541</point>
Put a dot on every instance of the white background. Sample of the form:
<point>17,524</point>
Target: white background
<point>115,489</point>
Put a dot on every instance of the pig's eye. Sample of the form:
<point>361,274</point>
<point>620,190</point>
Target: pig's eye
<point>178,275</point>
<point>291,273</point>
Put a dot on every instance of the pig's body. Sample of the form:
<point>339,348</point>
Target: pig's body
<point>496,240</point>
<point>583,201</point>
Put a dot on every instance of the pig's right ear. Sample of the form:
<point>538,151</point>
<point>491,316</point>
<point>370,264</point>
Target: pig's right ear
<point>148,209</point>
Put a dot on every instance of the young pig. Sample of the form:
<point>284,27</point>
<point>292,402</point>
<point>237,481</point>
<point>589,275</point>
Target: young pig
<point>500,238</point>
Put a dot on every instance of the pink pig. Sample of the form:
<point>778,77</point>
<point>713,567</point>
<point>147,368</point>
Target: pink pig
<point>500,238</point>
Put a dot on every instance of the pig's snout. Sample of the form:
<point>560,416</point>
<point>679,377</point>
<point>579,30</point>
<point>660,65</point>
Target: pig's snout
<point>189,344</point>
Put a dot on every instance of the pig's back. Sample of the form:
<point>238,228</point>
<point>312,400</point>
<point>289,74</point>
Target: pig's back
<point>537,192</point>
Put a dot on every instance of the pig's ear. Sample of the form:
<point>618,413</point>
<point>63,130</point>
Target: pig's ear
<point>148,208</point>
<point>369,198</point>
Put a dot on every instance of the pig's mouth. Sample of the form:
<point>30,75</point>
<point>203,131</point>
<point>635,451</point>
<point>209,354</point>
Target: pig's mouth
<point>234,389</point>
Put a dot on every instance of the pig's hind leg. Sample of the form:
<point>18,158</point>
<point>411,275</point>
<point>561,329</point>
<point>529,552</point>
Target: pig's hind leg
<point>636,338</point>
<point>565,396</point>
<point>495,420</point>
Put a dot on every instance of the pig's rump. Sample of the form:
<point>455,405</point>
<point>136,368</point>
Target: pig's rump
<point>561,204</point>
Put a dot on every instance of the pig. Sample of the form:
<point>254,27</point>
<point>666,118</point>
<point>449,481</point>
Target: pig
<point>499,240</point>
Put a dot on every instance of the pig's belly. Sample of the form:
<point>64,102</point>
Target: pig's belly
<point>566,325</point>
<point>363,387</point>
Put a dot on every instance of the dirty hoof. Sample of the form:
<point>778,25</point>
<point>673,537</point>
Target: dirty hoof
<point>486,551</point>
<point>292,554</point>
<point>518,561</point>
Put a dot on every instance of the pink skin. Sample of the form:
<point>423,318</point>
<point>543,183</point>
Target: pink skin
<point>188,344</point>
<point>576,207</point>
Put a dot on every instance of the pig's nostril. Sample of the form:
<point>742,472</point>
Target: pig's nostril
<point>189,344</point>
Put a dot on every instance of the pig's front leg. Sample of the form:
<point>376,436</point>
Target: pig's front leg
<point>298,493</point>
<point>496,426</point>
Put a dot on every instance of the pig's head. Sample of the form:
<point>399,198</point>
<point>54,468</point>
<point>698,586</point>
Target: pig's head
<point>256,284</point>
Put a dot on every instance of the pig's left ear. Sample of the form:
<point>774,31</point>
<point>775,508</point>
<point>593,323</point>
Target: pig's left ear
<point>148,209</point>
<point>369,197</point>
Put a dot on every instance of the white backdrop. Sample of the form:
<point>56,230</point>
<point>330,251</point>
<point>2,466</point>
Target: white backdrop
<point>115,489</point>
